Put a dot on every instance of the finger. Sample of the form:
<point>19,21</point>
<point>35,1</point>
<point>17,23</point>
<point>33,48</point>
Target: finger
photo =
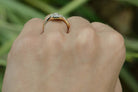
<point>100,27</point>
<point>108,35</point>
<point>77,24</point>
<point>82,35</point>
<point>111,42</point>
<point>32,27</point>
<point>55,26</point>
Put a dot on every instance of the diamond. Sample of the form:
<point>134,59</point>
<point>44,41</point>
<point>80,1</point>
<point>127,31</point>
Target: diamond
<point>56,15</point>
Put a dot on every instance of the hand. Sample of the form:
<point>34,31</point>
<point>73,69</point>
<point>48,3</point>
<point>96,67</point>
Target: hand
<point>87,59</point>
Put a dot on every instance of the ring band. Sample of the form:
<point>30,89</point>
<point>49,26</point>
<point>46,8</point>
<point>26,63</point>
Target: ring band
<point>57,17</point>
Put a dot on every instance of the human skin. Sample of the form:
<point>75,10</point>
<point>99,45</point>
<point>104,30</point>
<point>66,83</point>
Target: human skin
<point>87,59</point>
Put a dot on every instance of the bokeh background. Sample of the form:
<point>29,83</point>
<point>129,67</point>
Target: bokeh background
<point>120,14</point>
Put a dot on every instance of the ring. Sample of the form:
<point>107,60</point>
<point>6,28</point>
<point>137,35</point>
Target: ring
<point>57,17</point>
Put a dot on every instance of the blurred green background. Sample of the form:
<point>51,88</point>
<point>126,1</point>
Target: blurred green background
<point>120,14</point>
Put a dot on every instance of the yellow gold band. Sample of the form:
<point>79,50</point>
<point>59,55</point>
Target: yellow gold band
<point>57,17</point>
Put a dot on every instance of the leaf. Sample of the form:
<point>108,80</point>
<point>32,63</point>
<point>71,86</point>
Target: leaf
<point>23,9</point>
<point>2,62</point>
<point>6,46</point>
<point>131,55</point>
<point>71,6</point>
<point>41,5</point>
<point>132,44</point>
<point>129,80</point>
<point>13,18</point>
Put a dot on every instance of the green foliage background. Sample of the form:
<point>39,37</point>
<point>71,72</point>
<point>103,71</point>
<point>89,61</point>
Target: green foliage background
<point>14,13</point>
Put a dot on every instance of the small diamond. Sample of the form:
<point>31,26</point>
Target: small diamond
<point>56,15</point>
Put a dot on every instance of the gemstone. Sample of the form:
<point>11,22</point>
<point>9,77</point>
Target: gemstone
<point>56,15</point>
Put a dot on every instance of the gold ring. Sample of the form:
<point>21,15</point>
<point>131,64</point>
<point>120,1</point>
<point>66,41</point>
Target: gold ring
<point>57,17</point>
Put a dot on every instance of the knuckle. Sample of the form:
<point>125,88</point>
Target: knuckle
<point>97,23</point>
<point>88,30</point>
<point>33,19</point>
<point>86,37</point>
<point>77,18</point>
<point>74,17</point>
<point>116,39</point>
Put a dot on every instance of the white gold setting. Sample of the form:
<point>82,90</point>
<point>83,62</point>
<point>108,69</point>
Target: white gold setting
<point>55,15</point>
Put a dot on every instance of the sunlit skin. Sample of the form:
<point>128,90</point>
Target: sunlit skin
<point>87,59</point>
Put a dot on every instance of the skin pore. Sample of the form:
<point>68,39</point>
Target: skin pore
<point>87,59</point>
